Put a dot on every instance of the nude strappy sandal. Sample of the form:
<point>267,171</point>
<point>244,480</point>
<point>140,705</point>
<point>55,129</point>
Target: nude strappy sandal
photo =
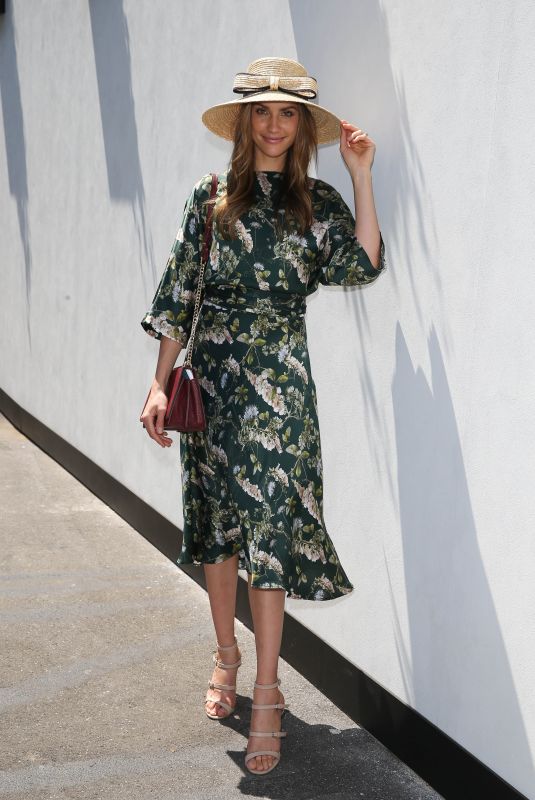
<point>279,734</point>
<point>211,685</point>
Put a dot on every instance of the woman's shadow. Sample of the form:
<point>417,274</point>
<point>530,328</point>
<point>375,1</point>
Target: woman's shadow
<point>322,761</point>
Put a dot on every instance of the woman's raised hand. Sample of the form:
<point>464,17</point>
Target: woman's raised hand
<point>153,415</point>
<point>356,147</point>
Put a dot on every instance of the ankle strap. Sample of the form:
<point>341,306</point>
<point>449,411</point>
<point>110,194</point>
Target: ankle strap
<point>227,646</point>
<point>225,666</point>
<point>267,685</point>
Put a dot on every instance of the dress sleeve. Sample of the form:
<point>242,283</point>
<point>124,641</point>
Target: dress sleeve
<point>171,311</point>
<point>342,259</point>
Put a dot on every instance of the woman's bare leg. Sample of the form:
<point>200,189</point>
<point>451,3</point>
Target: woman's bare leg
<point>221,582</point>
<point>267,609</point>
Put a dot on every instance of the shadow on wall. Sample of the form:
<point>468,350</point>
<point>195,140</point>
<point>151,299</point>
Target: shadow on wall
<point>361,49</point>
<point>356,82</point>
<point>111,46</point>
<point>457,671</point>
<point>15,144</point>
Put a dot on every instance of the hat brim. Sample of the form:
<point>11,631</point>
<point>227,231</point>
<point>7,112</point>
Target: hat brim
<point>220,119</point>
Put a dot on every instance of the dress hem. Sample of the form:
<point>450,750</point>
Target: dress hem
<point>290,593</point>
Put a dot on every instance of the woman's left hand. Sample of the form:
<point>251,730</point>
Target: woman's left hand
<point>356,147</point>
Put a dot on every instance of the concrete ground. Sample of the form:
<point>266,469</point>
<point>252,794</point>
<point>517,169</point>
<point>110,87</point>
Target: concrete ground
<point>105,658</point>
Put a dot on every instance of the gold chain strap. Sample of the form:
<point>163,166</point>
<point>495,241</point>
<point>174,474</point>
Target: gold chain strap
<point>204,258</point>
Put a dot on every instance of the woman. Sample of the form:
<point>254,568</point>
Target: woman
<point>252,482</point>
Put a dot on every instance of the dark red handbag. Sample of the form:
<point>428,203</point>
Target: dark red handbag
<point>185,409</point>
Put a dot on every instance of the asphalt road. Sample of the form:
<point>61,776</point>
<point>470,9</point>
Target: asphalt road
<point>105,658</point>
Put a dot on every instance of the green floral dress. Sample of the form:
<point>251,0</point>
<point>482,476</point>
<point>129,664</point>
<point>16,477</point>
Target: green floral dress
<point>252,481</point>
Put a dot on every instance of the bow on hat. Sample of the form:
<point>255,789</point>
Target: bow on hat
<point>248,84</point>
<point>269,79</point>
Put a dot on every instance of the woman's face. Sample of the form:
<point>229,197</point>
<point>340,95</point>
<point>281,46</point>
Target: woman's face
<point>273,128</point>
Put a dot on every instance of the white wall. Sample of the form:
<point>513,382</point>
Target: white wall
<point>425,379</point>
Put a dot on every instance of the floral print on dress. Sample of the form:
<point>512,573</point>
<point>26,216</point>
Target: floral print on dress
<point>252,482</point>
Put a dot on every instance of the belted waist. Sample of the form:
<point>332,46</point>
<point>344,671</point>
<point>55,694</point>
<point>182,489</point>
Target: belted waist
<point>256,301</point>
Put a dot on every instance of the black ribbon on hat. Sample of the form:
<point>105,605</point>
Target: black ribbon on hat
<point>247,85</point>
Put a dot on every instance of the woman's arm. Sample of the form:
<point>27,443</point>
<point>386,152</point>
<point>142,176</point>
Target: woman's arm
<point>367,226</point>
<point>358,151</point>
<point>153,413</point>
<point>167,356</point>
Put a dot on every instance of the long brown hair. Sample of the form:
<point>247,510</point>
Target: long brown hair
<point>295,193</point>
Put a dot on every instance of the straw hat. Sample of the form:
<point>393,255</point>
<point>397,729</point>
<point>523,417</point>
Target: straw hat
<point>273,79</point>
